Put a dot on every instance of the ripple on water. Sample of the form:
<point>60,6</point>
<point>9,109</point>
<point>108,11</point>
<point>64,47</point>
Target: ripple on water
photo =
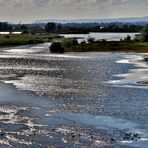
<point>103,115</point>
<point>136,77</point>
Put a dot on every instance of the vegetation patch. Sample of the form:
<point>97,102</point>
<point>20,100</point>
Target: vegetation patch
<point>23,39</point>
<point>56,47</point>
<point>110,46</point>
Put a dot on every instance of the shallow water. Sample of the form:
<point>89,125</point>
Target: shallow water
<point>72,99</point>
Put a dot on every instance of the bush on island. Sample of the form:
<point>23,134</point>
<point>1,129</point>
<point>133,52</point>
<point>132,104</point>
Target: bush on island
<point>68,42</point>
<point>56,47</point>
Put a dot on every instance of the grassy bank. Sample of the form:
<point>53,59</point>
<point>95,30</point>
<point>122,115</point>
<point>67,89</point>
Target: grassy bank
<point>23,39</point>
<point>98,46</point>
<point>112,46</point>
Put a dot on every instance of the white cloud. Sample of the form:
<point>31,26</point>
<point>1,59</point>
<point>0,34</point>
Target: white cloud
<point>29,10</point>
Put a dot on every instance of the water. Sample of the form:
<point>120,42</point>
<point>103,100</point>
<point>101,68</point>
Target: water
<point>9,33</point>
<point>72,99</point>
<point>99,36</point>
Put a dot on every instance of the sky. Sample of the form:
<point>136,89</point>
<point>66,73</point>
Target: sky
<point>27,11</point>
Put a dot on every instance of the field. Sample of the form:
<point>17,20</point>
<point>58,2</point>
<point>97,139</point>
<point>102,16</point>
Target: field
<point>23,39</point>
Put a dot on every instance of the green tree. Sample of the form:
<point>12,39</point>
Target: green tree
<point>144,34</point>
<point>56,47</point>
<point>90,39</point>
<point>50,27</point>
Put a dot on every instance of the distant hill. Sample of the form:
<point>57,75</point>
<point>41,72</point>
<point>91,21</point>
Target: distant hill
<point>142,20</point>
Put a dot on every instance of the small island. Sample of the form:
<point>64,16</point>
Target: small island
<point>138,44</point>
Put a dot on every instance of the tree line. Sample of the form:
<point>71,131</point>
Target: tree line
<point>71,27</point>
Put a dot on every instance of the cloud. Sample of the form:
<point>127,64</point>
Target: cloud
<point>29,10</point>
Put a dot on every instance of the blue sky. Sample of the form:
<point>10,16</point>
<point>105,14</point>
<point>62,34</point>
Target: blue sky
<point>30,10</point>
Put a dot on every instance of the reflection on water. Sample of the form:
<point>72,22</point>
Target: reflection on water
<point>11,32</point>
<point>72,99</point>
<point>99,36</point>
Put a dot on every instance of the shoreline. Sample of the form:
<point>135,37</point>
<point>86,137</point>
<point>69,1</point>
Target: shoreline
<point>98,46</point>
<point>95,46</point>
<point>21,39</point>
<point>12,40</point>
<point>110,46</point>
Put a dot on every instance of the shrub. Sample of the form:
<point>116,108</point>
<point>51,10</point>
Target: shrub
<point>104,40</point>
<point>137,38</point>
<point>25,32</point>
<point>144,34</point>
<point>90,40</point>
<point>83,42</point>
<point>30,41</point>
<point>56,47</point>
<point>128,38</point>
<point>68,42</point>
